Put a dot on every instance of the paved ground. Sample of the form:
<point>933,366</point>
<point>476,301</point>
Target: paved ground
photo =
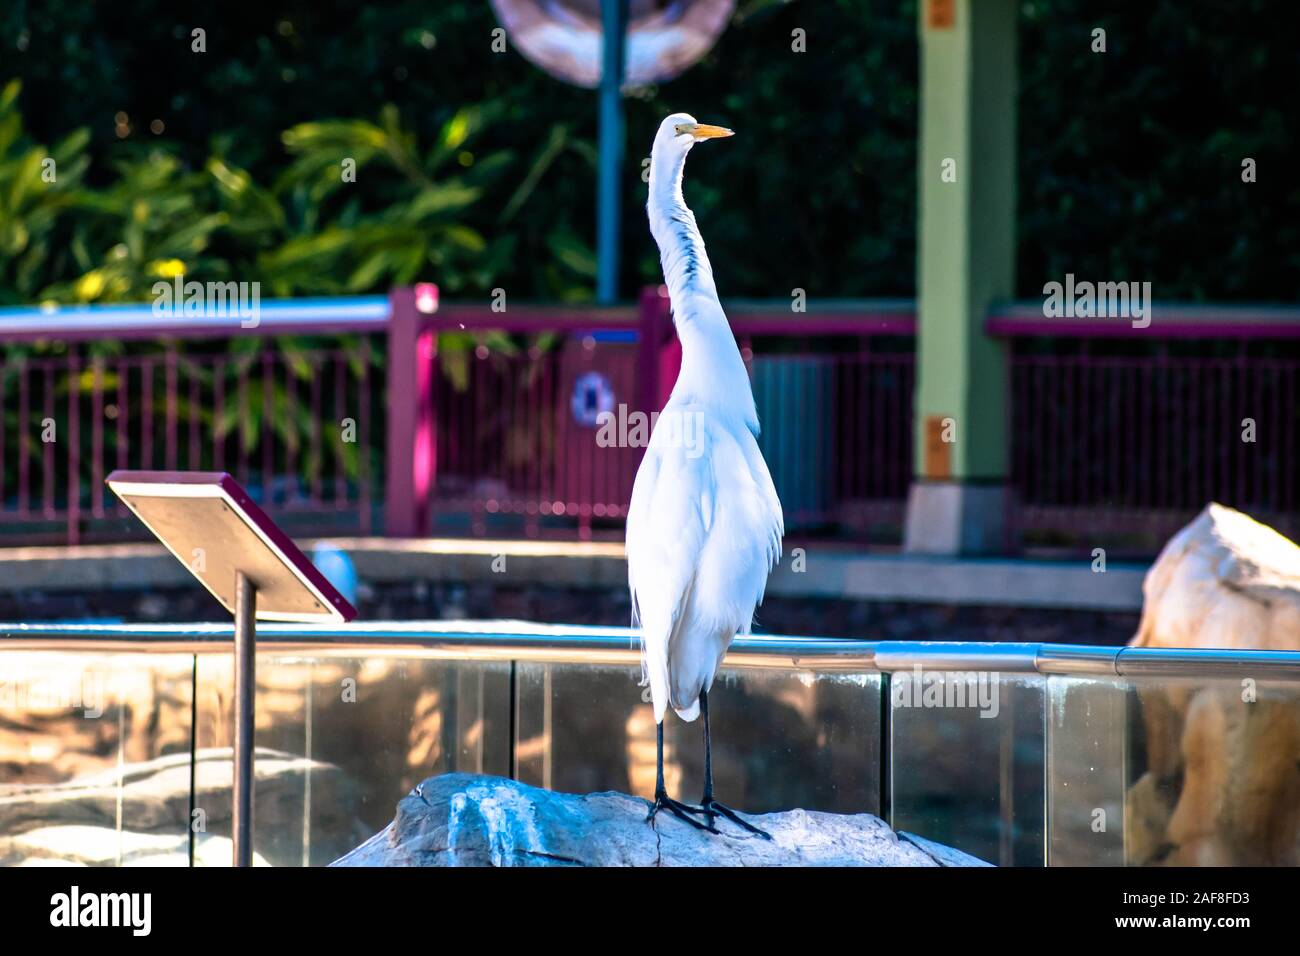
<point>821,590</point>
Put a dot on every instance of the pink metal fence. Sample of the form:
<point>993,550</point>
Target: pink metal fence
<point>510,442</point>
<point>836,416</point>
<point>1121,435</point>
<point>518,442</point>
<point>294,425</point>
<point>485,422</point>
<point>1138,446</point>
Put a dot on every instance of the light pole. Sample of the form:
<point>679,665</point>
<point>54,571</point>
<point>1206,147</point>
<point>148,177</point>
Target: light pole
<point>613,15</point>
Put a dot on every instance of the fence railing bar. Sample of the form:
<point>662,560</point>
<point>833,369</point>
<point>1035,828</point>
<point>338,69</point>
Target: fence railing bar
<point>494,640</point>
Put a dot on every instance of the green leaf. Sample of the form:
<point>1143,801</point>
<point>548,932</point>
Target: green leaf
<point>448,197</point>
<point>572,252</point>
<point>554,145</point>
<point>10,94</point>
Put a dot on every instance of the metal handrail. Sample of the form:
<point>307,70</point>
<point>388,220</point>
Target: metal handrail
<point>84,323</point>
<point>525,641</point>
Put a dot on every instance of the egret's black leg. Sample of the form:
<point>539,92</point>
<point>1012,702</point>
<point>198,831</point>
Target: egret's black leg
<point>708,805</point>
<point>664,802</point>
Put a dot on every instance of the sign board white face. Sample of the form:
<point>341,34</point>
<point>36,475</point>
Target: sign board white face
<point>212,527</point>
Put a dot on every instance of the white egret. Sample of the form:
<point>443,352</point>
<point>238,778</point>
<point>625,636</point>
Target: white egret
<point>704,526</point>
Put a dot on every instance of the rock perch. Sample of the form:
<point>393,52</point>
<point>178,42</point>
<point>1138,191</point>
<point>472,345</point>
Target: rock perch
<point>462,819</point>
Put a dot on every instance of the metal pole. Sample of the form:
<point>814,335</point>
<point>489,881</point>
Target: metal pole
<point>241,828</point>
<point>613,22</point>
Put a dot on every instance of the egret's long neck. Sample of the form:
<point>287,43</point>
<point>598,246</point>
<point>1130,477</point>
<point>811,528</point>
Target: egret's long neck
<point>712,371</point>
<point>681,249</point>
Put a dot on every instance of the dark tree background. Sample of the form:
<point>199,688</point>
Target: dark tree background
<point>1129,161</point>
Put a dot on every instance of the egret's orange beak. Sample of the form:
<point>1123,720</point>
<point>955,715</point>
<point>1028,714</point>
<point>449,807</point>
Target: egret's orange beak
<point>704,130</point>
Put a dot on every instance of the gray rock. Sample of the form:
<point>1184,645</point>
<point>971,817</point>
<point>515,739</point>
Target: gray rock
<point>462,819</point>
<point>943,855</point>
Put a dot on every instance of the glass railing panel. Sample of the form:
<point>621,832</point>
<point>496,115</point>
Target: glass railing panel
<point>1213,773</point>
<point>781,738</point>
<point>107,756</point>
<point>341,739</point>
<point>1088,739</point>
<point>966,761</point>
<point>94,758</point>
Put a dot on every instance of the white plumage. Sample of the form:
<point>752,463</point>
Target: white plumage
<point>704,526</point>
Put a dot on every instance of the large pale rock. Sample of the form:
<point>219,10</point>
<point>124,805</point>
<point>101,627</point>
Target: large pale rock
<point>469,820</point>
<point>1222,785</point>
<point>1225,580</point>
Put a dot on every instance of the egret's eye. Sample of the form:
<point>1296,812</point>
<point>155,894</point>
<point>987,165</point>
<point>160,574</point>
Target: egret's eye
<point>682,128</point>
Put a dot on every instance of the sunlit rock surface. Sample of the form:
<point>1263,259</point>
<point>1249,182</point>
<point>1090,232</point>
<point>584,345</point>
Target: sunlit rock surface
<point>471,820</point>
<point>1225,580</point>
<point>1221,786</point>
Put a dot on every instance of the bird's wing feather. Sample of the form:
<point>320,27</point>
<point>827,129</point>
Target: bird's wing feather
<point>667,524</point>
<point>772,504</point>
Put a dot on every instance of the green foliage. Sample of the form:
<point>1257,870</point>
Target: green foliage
<point>360,208</point>
<point>1128,161</point>
<point>34,234</point>
<point>520,143</point>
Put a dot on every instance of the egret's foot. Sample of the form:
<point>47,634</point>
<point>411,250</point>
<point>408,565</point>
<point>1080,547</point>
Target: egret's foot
<point>680,810</point>
<point>713,809</point>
